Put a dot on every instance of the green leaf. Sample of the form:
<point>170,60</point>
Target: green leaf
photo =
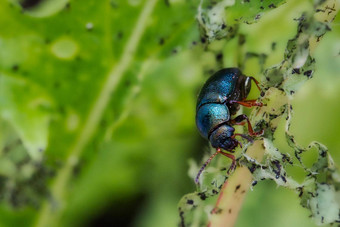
<point>97,103</point>
<point>221,19</point>
<point>71,73</point>
<point>320,183</point>
<point>28,109</point>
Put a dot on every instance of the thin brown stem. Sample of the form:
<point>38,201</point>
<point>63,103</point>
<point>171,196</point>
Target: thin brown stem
<point>234,191</point>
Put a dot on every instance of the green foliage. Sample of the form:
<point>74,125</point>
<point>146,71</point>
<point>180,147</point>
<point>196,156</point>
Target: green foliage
<point>71,79</point>
<point>318,190</point>
<point>97,102</point>
<point>220,19</point>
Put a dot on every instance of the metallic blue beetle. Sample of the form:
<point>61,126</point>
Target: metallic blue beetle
<point>218,100</point>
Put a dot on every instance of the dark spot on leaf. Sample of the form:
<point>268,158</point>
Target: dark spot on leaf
<point>311,193</point>
<point>273,116</point>
<point>62,110</point>
<point>56,84</point>
<point>237,187</point>
<point>202,196</point>
<point>219,56</point>
<point>15,68</point>
<point>252,168</point>
<point>273,46</point>
<point>283,179</point>
<point>27,4</point>
<point>167,3</point>
<point>216,210</point>
<point>103,123</point>
<point>67,6</point>
<point>272,6</point>
<point>181,215</point>
<point>120,35</point>
<point>114,4</point>
<point>161,41</point>
<point>296,70</point>
<point>301,192</point>
<point>308,73</point>
<point>127,83</point>
<point>190,201</point>
<point>241,39</point>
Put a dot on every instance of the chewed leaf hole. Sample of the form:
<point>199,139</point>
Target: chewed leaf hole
<point>309,157</point>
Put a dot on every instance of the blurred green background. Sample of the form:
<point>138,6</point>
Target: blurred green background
<point>55,58</point>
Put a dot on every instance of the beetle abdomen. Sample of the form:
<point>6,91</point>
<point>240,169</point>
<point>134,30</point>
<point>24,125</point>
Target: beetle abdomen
<point>210,116</point>
<point>219,86</point>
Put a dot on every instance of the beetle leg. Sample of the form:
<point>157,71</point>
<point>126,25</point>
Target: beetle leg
<point>243,117</point>
<point>205,164</point>
<point>218,150</point>
<point>233,163</point>
<point>233,122</point>
<point>247,103</point>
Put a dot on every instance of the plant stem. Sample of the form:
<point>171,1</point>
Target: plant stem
<point>234,191</point>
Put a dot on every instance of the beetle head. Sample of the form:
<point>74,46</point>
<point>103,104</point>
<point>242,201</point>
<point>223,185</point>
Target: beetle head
<point>222,138</point>
<point>230,144</point>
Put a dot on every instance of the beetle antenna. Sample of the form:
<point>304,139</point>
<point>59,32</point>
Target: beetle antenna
<point>204,165</point>
<point>256,83</point>
<point>239,143</point>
